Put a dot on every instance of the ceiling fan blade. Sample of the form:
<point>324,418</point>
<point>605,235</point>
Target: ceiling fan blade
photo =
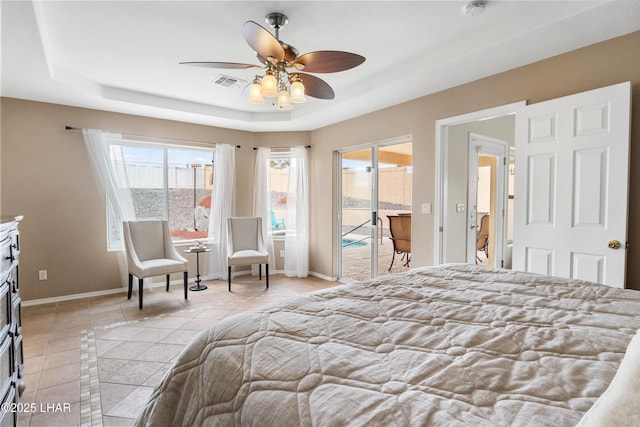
<point>315,87</point>
<point>227,65</point>
<point>328,61</point>
<point>261,41</point>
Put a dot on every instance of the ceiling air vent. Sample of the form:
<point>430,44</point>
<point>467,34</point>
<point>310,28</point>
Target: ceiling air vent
<point>228,81</point>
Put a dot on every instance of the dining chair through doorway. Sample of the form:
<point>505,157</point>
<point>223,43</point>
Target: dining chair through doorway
<point>400,229</point>
<point>482,238</point>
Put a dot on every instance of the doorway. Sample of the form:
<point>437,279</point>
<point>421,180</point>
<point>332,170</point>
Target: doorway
<point>487,200</point>
<point>374,184</point>
<point>452,222</point>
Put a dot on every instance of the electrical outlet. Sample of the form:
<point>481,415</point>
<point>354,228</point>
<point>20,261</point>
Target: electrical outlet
<point>42,275</point>
<point>426,208</point>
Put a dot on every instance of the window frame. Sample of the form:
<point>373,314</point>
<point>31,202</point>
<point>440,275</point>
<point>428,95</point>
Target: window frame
<point>164,145</point>
<point>280,154</point>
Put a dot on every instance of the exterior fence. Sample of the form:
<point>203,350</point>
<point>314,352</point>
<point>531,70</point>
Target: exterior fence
<point>145,175</point>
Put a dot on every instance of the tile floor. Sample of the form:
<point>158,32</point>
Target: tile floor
<point>95,361</point>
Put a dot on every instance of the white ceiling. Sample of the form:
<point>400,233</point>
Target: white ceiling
<point>123,56</point>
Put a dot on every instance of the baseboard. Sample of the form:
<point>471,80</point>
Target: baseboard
<point>71,297</point>
<point>323,277</point>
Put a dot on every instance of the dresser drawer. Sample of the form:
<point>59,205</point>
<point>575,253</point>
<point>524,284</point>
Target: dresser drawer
<point>7,256</point>
<point>5,309</point>
<point>9,249</point>
<point>9,418</point>
<point>17,354</point>
<point>16,310</point>
<point>12,280</point>
<point>18,364</point>
<point>6,368</point>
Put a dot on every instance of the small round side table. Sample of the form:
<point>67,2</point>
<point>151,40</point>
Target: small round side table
<point>198,286</point>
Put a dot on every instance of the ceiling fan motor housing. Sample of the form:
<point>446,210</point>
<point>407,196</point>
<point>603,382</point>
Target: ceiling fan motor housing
<point>276,20</point>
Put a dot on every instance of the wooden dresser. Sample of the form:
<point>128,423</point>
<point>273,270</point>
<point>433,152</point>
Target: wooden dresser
<point>11,356</point>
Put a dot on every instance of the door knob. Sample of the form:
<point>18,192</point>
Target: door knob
<point>614,244</point>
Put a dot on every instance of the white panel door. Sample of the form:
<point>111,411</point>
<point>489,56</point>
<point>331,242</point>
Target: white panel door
<point>572,164</point>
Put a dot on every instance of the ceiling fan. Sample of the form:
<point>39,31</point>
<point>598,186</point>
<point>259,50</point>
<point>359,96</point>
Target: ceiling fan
<point>283,78</point>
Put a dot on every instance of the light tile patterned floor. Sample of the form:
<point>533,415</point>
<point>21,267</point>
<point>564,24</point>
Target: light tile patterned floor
<point>100,358</point>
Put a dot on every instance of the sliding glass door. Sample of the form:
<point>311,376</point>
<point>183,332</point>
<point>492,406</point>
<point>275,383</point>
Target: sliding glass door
<point>357,214</point>
<point>374,184</point>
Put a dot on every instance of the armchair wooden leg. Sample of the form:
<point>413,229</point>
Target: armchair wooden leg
<point>266,267</point>
<point>130,286</point>
<point>259,271</point>
<point>229,277</point>
<point>186,279</point>
<point>140,292</point>
<point>168,282</point>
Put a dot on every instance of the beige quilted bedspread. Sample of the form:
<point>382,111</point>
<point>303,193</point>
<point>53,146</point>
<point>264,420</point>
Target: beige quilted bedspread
<point>440,346</point>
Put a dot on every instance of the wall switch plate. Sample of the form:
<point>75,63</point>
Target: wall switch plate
<point>281,253</point>
<point>42,275</point>
<point>460,207</point>
<point>426,208</point>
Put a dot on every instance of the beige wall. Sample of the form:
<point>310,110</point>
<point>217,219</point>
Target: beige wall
<point>46,174</point>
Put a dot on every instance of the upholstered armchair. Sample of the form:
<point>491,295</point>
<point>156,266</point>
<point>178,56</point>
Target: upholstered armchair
<point>150,252</point>
<point>245,244</point>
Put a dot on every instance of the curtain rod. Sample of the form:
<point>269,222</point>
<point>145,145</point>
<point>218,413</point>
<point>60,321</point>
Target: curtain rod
<point>67,127</point>
<point>280,148</point>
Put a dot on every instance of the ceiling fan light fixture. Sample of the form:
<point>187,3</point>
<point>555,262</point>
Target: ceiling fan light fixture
<point>297,92</point>
<point>255,92</point>
<point>269,86</point>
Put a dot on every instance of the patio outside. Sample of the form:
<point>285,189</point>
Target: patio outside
<point>394,189</point>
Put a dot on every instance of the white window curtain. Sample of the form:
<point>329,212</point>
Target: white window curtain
<point>262,201</point>
<point>296,243</point>
<point>105,154</point>
<point>222,202</point>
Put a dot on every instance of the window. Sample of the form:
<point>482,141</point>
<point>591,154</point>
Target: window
<point>166,182</point>
<point>279,167</point>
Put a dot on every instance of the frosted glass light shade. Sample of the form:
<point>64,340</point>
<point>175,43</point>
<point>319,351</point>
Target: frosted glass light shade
<point>297,92</point>
<point>255,94</point>
<point>269,84</point>
<point>283,102</point>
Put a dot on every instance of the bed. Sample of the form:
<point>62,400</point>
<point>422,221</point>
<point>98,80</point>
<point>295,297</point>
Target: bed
<point>451,345</point>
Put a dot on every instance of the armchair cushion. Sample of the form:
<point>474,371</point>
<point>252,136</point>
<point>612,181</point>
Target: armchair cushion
<point>248,256</point>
